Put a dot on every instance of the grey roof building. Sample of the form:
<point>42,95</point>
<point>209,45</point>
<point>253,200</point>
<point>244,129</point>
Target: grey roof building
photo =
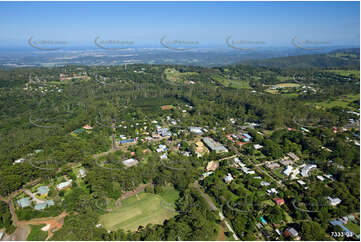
<point>196,130</point>
<point>215,146</point>
<point>24,202</point>
<point>41,206</point>
<point>43,190</point>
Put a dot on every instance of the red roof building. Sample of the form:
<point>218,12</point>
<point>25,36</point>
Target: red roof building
<point>87,127</point>
<point>240,144</point>
<point>279,201</point>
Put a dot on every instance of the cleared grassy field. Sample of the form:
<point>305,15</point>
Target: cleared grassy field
<point>353,227</point>
<point>36,233</point>
<point>141,209</point>
<point>232,83</point>
<point>268,202</point>
<point>354,73</point>
<point>280,86</point>
<point>173,75</point>
<point>341,102</point>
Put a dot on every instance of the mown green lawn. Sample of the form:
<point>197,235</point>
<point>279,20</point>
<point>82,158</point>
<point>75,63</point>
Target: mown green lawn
<point>340,102</point>
<point>354,73</point>
<point>36,233</point>
<point>232,83</point>
<point>141,209</point>
<point>353,227</point>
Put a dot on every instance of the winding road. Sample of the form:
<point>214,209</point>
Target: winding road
<point>214,208</point>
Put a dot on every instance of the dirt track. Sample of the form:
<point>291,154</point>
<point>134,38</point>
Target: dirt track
<point>55,223</point>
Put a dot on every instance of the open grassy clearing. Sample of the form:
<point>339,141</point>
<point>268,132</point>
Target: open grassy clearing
<point>288,218</point>
<point>36,233</point>
<point>284,78</point>
<point>141,209</point>
<point>274,89</point>
<point>353,73</point>
<point>268,202</point>
<point>340,102</point>
<point>173,75</point>
<point>232,83</point>
<point>283,85</point>
<point>353,227</point>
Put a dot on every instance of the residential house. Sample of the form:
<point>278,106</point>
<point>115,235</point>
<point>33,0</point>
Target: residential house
<point>130,162</point>
<point>279,201</point>
<point>329,176</point>
<point>82,172</point>
<point>243,167</point>
<point>257,146</point>
<point>334,201</point>
<point>240,144</point>
<point>126,141</point>
<point>321,178</point>
<point>302,183</point>
<point>185,153</point>
<point>291,171</point>
<point>24,202</point>
<point>162,148</point>
<point>205,174</point>
<point>18,161</point>
<point>272,191</point>
<point>87,127</point>
<point>164,132</point>
<point>286,162</point>
<point>229,178</point>
<point>291,232</point>
<point>163,156</point>
<point>304,129</point>
<point>293,156</point>
<point>305,170</point>
<point>272,165</point>
<point>64,185</point>
<point>212,166</point>
<point>41,206</point>
<point>43,190</point>
<point>196,130</point>
<point>337,222</point>
<point>246,137</point>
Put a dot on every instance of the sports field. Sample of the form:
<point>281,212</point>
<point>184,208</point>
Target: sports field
<point>280,86</point>
<point>141,209</point>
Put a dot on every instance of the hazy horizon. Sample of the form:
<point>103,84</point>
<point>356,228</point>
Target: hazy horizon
<point>262,24</point>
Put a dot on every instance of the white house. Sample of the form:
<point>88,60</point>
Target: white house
<point>163,156</point>
<point>161,148</point>
<point>321,178</point>
<point>64,185</point>
<point>18,161</point>
<point>305,170</point>
<point>229,178</point>
<point>272,191</point>
<point>334,201</point>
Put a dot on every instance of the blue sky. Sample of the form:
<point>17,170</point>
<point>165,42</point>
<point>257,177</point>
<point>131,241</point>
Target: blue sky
<point>274,23</point>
